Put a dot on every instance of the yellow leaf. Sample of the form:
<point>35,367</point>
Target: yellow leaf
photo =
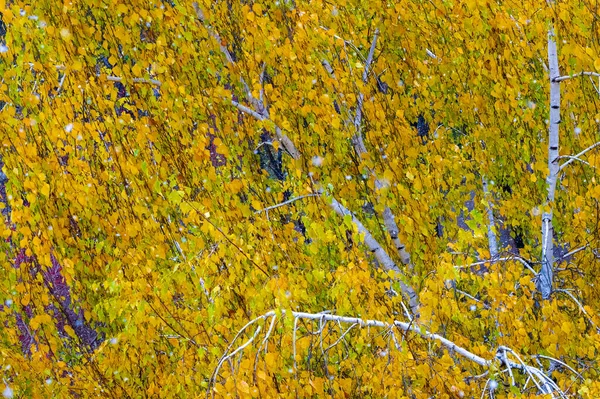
<point>532,178</point>
<point>257,8</point>
<point>244,387</point>
<point>335,122</point>
<point>34,323</point>
<point>137,70</point>
<point>45,190</point>
<point>597,64</point>
<point>271,359</point>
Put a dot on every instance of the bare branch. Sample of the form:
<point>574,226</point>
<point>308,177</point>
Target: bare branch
<point>571,369</point>
<point>393,231</point>
<point>135,80</point>
<point>580,306</point>
<point>286,202</point>
<point>359,147</point>
<point>572,158</point>
<point>506,259</point>
<point>431,54</point>
<point>248,110</point>
<point>505,355</point>
<point>230,355</point>
<point>212,33</point>
<point>285,141</point>
<point>565,77</point>
<point>485,305</point>
<point>576,157</point>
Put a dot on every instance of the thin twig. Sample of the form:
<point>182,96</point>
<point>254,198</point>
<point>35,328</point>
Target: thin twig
<point>229,356</point>
<point>286,202</point>
<point>485,306</point>
<point>562,364</point>
<point>580,306</point>
<point>505,259</point>
<point>134,80</point>
<point>576,157</point>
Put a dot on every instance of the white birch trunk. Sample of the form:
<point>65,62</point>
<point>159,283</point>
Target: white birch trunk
<point>492,242</point>
<point>545,277</point>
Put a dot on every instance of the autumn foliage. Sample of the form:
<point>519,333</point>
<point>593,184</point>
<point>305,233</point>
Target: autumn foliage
<point>174,170</point>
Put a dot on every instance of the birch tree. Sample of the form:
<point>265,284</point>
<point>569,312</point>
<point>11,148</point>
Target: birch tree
<point>231,199</point>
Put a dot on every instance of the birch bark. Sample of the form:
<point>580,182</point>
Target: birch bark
<point>544,280</point>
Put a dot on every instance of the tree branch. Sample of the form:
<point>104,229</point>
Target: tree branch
<point>248,110</point>
<point>377,250</point>
<point>544,384</point>
<point>359,145</point>
<point>285,141</point>
<point>565,77</point>
<point>581,308</point>
<point>492,243</point>
<point>212,33</point>
<point>360,148</point>
<point>135,80</point>
<point>285,203</point>
<point>483,262</point>
<point>576,157</point>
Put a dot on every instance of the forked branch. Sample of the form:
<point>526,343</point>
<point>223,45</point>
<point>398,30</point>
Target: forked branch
<point>506,356</point>
<point>260,111</point>
<point>577,156</point>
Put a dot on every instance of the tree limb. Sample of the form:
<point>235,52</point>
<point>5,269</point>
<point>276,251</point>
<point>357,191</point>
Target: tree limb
<point>135,80</point>
<point>359,144</point>
<point>576,157</point>
<point>377,250</point>
<point>492,243</point>
<point>565,77</point>
<point>544,384</point>
<point>286,202</point>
